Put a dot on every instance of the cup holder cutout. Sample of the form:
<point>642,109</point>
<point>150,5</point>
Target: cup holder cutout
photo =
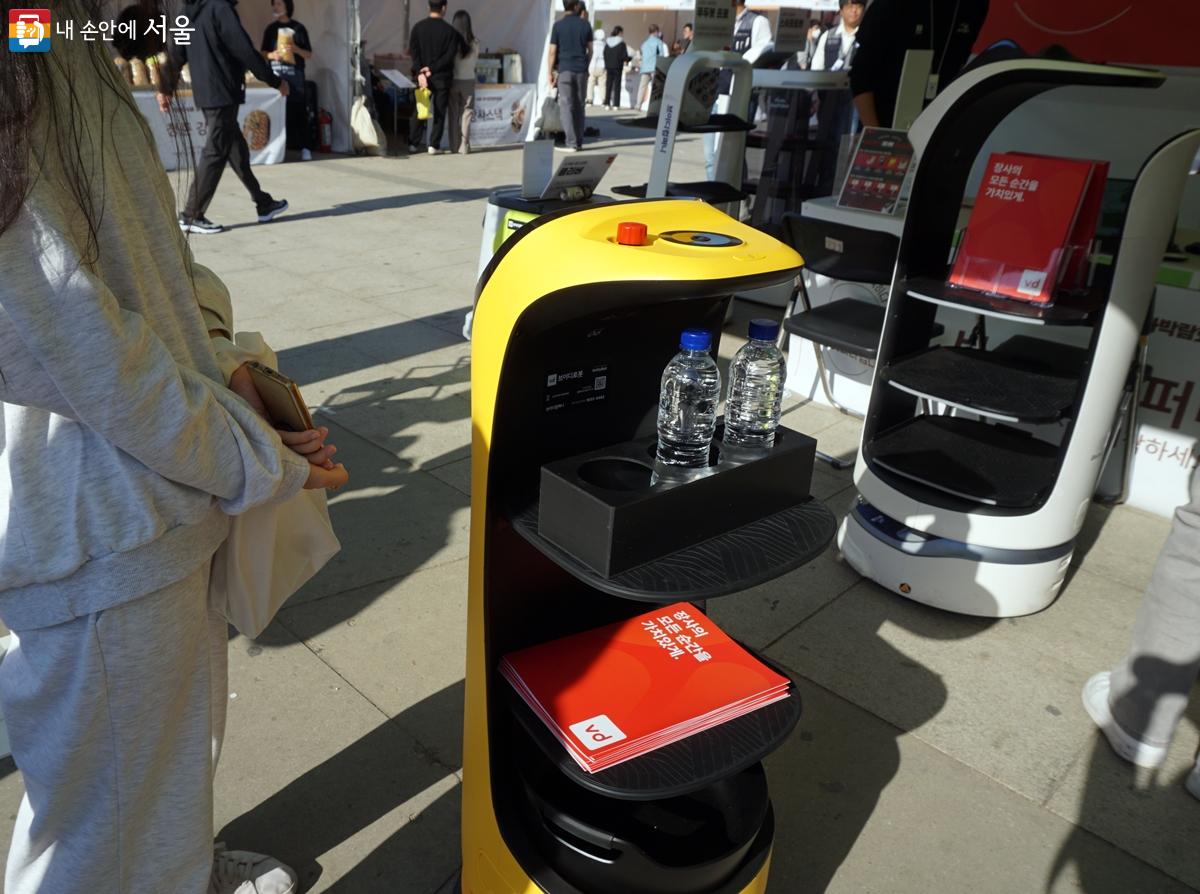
<point>613,473</point>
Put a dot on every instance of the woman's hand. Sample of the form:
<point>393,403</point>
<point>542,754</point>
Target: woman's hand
<point>241,383</point>
<point>320,478</point>
<point>311,445</point>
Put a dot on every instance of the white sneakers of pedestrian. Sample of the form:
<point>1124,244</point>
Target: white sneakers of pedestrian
<point>1095,702</point>
<point>242,872</point>
<point>305,155</point>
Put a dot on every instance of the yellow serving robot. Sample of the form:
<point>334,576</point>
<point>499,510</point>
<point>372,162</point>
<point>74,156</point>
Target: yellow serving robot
<point>572,331</point>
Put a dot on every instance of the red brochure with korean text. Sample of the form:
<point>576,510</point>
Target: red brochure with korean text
<point>1032,226</point>
<point>616,692</point>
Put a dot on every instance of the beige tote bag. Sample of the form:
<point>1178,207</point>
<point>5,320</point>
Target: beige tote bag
<point>272,550</point>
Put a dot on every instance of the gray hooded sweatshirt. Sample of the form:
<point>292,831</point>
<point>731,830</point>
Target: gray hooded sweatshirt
<point>122,453</point>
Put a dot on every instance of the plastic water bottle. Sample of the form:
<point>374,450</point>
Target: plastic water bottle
<point>755,390</point>
<point>687,407</point>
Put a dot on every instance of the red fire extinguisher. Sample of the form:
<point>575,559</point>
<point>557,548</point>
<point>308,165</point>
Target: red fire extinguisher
<point>325,131</point>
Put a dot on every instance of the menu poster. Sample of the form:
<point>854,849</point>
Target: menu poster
<point>712,25</point>
<point>792,31</point>
<point>880,165</point>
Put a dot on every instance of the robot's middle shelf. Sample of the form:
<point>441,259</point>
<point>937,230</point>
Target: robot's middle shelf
<point>728,563</point>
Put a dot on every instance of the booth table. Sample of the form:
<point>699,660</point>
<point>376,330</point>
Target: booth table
<point>267,133</point>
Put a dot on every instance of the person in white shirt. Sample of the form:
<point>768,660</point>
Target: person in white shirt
<point>835,49</point>
<point>751,37</point>
<point>596,76</point>
<point>835,111</point>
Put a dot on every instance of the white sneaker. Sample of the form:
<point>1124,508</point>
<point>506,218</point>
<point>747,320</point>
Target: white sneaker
<point>305,155</point>
<point>1095,702</point>
<point>242,872</point>
<point>1192,783</point>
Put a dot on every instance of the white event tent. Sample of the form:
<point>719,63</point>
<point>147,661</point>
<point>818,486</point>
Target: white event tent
<point>336,27</point>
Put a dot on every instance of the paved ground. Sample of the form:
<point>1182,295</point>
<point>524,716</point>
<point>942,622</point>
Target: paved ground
<point>936,753</point>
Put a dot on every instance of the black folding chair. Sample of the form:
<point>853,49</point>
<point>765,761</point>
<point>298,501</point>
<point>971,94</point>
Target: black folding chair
<point>849,254</point>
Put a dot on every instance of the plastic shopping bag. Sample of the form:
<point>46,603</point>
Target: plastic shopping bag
<point>424,103</point>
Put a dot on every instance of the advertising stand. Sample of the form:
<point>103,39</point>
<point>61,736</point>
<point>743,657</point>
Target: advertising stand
<point>976,509</point>
<point>566,373</point>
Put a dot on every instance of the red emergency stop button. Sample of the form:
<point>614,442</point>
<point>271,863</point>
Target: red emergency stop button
<point>630,233</point>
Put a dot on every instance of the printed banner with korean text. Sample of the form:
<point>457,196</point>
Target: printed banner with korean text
<point>503,113</point>
<point>263,118</point>
<point>1167,446</point>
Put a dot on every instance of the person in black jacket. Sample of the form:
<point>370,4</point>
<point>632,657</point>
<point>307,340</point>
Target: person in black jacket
<point>616,55</point>
<point>435,46</point>
<point>219,55</point>
<point>890,29</point>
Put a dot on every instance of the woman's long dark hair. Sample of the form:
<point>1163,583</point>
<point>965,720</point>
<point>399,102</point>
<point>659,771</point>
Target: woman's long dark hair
<point>37,84</point>
<point>462,21</point>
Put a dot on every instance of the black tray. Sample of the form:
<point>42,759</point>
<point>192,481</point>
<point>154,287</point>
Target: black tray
<point>601,508</point>
<point>989,464</point>
<point>1067,310</point>
<point>680,768</point>
<point>746,557</point>
<point>715,124</point>
<point>715,192</point>
<point>991,384</point>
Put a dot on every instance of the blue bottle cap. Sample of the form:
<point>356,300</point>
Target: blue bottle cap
<point>695,340</point>
<point>764,330</point>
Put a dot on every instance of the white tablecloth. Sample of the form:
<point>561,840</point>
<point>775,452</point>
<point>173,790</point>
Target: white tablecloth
<point>267,145</point>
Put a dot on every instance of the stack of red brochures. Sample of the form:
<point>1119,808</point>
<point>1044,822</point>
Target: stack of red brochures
<point>1032,226</point>
<point>620,691</point>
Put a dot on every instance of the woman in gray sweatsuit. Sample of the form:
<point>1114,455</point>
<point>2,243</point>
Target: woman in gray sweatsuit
<point>122,456</point>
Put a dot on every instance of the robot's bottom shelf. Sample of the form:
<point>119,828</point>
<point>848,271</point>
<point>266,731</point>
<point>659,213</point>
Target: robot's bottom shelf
<point>712,841</point>
<point>949,574</point>
<point>990,464</point>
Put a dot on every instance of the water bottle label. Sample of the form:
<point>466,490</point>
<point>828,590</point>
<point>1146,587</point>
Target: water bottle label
<point>576,386</point>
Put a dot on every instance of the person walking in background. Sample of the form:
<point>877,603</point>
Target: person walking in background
<point>686,41</point>
<point>616,57</point>
<point>652,50</point>
<point>462,90</point>
<point>218,57</point>
<point>436,48</point>
<point>570,56</point>
<point>1139,703</point>
<point>286,46</point>
<point>597,76</point>
<point>125,446</point>
<point>751,38</point>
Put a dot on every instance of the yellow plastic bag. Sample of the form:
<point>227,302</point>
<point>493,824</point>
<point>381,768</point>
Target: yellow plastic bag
<point>424,104</point>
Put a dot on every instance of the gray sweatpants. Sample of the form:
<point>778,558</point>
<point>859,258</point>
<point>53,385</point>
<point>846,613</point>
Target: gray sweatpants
<point>571,85</point>
<point>116,720</point>
<point>1150,687</point>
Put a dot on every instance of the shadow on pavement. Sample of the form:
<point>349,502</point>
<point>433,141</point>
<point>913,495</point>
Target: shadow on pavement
<point>385,203</point>
<point>827,780</point>
<point>403,764</point>
<point>1147,813</point>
